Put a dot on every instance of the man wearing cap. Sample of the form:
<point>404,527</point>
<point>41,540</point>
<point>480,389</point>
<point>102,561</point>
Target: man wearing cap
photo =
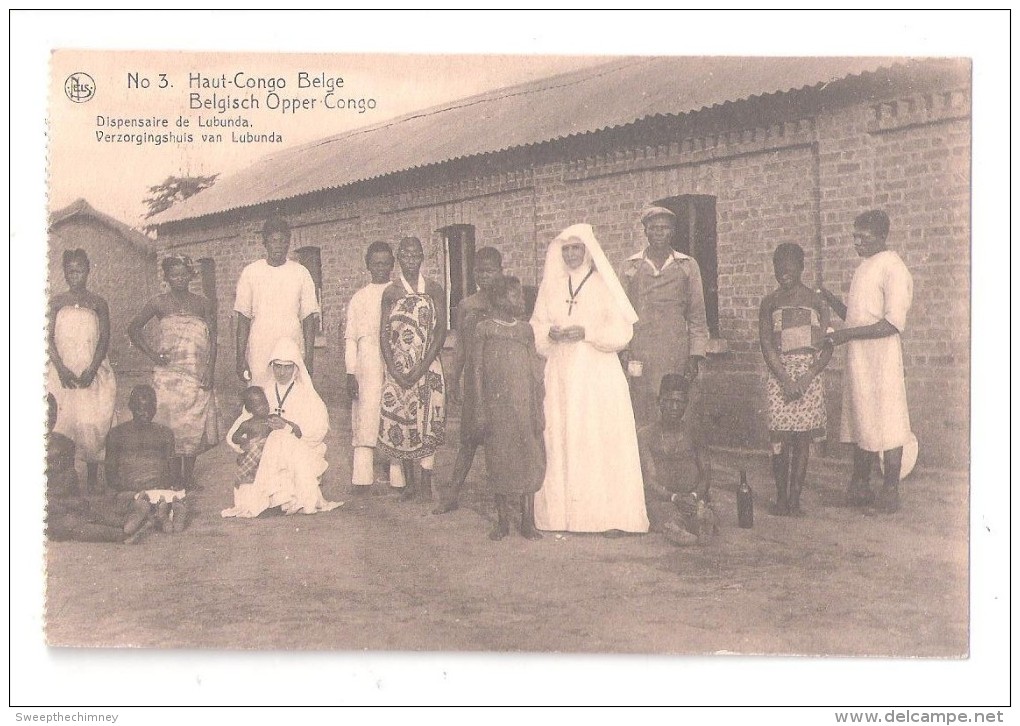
<point>671,333</point>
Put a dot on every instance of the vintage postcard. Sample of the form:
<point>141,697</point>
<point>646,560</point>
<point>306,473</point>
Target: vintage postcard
<point>585,354</point>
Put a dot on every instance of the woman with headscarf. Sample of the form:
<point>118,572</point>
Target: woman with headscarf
<point>582,320</point>
<point>185,364</point>
<point>293,459</point>
<point>79,375</point>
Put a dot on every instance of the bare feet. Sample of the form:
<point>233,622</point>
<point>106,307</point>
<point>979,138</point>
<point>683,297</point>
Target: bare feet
<point>178,515</point>
<point>677,535</point>
<point>530,533</point>
<point>163,516</point>
<point>140,510</point>
<point>136,536</point>
<point>779,509</point>
<point>499,531</point>
<point>446,506</point>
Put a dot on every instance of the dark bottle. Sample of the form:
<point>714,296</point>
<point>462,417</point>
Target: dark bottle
<point>745,503</point>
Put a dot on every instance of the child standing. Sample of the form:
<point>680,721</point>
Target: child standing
<point>792,322</point>
<point>506,380</point>
<point>676,467</point>
<point>471,311</point>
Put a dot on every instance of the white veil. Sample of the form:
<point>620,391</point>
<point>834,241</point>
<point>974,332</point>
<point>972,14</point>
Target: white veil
<point>554,277</point>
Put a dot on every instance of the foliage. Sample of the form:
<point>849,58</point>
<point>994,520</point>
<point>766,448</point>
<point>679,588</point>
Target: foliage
<point>175,189</point>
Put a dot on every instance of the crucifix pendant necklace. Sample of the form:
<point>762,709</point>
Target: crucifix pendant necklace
<point>280,401</point>
<point>574,293</point>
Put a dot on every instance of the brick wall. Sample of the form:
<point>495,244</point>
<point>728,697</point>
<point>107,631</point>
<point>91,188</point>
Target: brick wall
<point>121,273</point>
<point>796,180</point>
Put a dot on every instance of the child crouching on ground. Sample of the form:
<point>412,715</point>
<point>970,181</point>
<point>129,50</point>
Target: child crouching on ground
<point>676,467</point>
<point>509,420</point>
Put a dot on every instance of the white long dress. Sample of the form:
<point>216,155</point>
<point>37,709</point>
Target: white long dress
<point>593,479</point>
<point>276,300</point>
<point>290,467</point>
<point>875,415</point>
<point>84,415</point>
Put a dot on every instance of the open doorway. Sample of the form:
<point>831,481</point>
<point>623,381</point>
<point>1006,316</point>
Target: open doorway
<point>696,236</point>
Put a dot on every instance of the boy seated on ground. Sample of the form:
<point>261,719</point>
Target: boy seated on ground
<point>676,467</point>
<point>138,460</point>
<point>111,517</point>
<point>138,452</point>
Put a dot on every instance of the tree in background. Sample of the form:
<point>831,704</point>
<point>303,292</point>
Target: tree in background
<point>175,189</point>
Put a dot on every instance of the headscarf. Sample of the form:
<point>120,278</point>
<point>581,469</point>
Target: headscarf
<point>555,275</point>
<point>286,350</point>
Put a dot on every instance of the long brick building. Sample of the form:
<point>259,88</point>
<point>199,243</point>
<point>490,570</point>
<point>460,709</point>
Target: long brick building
<point>750,153</point>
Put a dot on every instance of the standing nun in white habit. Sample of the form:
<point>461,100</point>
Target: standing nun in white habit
<point>582,320</point>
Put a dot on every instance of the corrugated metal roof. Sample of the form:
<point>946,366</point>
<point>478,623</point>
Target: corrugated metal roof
<point>80,207</point>
<point>604,96</point>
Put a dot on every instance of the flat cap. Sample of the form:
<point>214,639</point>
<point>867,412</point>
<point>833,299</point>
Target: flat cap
<point>650,212</point>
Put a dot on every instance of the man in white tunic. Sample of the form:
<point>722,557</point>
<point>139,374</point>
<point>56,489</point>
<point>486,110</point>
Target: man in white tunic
<point>875,417</point>
<point>275,299</point>
<point>366,368</point>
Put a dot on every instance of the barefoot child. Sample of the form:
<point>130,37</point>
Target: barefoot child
<point>69,516</point>
<point>506,379</point>
<point>791,326</point>
<point>676,467</point>
<point>251,434</point>
<point>471,311</point>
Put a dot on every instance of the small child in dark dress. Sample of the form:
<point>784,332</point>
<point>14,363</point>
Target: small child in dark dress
<point>252,433</point>
<point>676,467</point>
<point>471,310</point>
<point>506,376</point>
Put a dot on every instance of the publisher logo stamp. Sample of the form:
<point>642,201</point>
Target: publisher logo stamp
<point>79,87</point>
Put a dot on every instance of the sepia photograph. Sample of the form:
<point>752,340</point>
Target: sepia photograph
<point>660,354</point>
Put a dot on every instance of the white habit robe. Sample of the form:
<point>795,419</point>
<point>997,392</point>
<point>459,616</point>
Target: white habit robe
<point>290,468</point>
<point>363,358</point>
<point>593,479</point>
<point>875,415</point>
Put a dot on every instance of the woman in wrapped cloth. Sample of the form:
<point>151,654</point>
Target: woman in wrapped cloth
<point>792,322</point>
<point>505,375</point>
<point>293,457</point>
<point>412,332</point>
<point>185,361</point>
<point>79,375</point>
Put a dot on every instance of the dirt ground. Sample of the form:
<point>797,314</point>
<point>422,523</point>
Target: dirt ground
<point>384,575</point>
